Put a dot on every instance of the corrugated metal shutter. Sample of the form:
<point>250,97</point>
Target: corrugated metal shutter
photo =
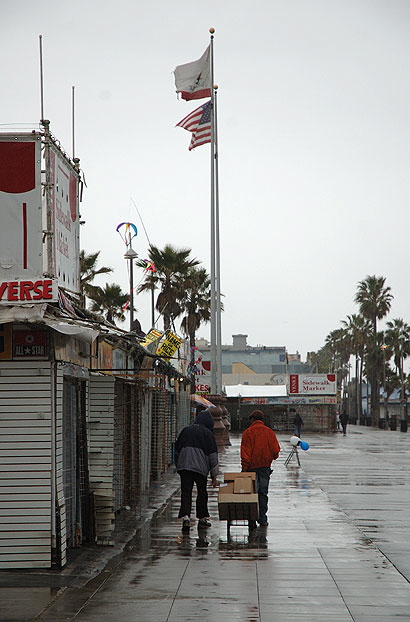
<point>79,522</point>
<point>160,419</point>
<point>25,464</point>
<point>144,400</point>
<point>101,451</point>
<point>70,466</point>
<point>119,445</point>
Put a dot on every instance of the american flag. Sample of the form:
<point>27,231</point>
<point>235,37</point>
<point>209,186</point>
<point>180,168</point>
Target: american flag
<point>199,123</point>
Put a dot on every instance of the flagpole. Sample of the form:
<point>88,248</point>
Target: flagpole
<point>217,255</point>
<point>213,276</point>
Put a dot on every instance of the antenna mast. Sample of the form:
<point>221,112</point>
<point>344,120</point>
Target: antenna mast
<point>41,79</point>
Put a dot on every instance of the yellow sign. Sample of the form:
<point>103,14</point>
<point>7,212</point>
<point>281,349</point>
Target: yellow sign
<point>151,339</point>
<point>169,346</point>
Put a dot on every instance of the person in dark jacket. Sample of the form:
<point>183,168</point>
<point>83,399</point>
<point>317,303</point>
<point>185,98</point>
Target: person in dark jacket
<point>196,455</point>
<point>297,422</point>
<point>344,418</point>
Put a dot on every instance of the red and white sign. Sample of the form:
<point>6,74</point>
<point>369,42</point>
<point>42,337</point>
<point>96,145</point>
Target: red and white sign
<point>24,207</point>
<point>40,290</point>
<point>312,384</point>
<point>66,224</point>
<point>21,231</point>
<point>202,374</point>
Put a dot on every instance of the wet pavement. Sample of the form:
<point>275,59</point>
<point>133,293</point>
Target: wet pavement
<point>337,549</point>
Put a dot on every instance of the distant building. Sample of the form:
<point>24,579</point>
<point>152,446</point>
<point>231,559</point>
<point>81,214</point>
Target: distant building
<point>254,365</point>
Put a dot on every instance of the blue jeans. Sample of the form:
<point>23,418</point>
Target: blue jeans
<point>262,487</point>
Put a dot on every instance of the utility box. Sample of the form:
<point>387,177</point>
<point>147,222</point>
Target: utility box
<point>237,498</point>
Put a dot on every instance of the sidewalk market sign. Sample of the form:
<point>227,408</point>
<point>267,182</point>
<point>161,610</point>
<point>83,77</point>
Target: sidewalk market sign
<point>312,384</point>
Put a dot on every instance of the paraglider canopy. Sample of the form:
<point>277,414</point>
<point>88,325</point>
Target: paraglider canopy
<point>128,231</point>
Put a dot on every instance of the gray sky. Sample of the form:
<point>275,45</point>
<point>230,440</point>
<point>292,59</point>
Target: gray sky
<point>314,135</point>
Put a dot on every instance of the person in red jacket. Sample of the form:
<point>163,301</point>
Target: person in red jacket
<point>259,447</point>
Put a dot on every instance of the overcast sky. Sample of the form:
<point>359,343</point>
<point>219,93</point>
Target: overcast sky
<point>314,144</point>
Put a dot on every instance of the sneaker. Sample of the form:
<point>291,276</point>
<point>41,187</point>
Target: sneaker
<point>186,524</point>
<point>204,522</point>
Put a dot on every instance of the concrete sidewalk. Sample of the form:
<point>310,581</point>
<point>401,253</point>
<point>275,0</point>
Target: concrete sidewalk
<point>336,548</point>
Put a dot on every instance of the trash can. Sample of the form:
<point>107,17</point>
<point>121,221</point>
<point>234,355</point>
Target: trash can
<point>393,422</point>
<point>403,425</point>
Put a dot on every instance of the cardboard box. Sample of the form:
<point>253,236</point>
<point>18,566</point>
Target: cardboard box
<point>230,477</point>
<point>243,485</point>
<point>237,499</point>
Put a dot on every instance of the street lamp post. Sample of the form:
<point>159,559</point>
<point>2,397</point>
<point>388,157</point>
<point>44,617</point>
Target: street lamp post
<point>131,255</point>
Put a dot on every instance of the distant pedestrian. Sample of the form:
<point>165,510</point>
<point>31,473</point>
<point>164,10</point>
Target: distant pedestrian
<point>259,447</point>
<point>196,455</point>
<point>337,426</point>
<point>297,422</point>
<point>344,418</point>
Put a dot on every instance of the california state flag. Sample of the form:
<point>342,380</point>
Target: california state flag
<point>193,80</point>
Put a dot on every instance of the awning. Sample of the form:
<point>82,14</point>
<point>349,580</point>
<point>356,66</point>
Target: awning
<point>85,333</point>
<point>23,313</point>
<point>248,390</point>
<point>35,314</point>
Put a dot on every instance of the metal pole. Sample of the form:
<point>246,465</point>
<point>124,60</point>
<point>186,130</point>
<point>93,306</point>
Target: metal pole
<point>131,292</point>
<point>213,276</point>
<point>152,307</point>
<point>73,120</point>
<point>41,78</point>
<point>48,194</point>
<point>131,255</point>
<point>217,257</point>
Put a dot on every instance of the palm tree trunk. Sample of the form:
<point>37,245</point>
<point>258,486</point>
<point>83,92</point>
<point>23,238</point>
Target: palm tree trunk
<point>192,361</point>
<point>358,389</point>
<point>375,400</point>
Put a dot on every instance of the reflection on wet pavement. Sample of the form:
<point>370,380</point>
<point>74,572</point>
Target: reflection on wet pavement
<point>316,561</point>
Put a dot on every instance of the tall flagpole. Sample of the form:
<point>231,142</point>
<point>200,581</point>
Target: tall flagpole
<point>213,276</point>
<point>217,255</point>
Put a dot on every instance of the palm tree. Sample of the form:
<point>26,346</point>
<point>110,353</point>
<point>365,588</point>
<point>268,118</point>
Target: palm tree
<point>358,328</point>
<point>398,338</point>
<point>88,272</point>
<point>374,300</point>
<point>321,362</point>
<point>337,343</point>
<point>109,300</point>
<point>195,304</point>
<point>172,265</point>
